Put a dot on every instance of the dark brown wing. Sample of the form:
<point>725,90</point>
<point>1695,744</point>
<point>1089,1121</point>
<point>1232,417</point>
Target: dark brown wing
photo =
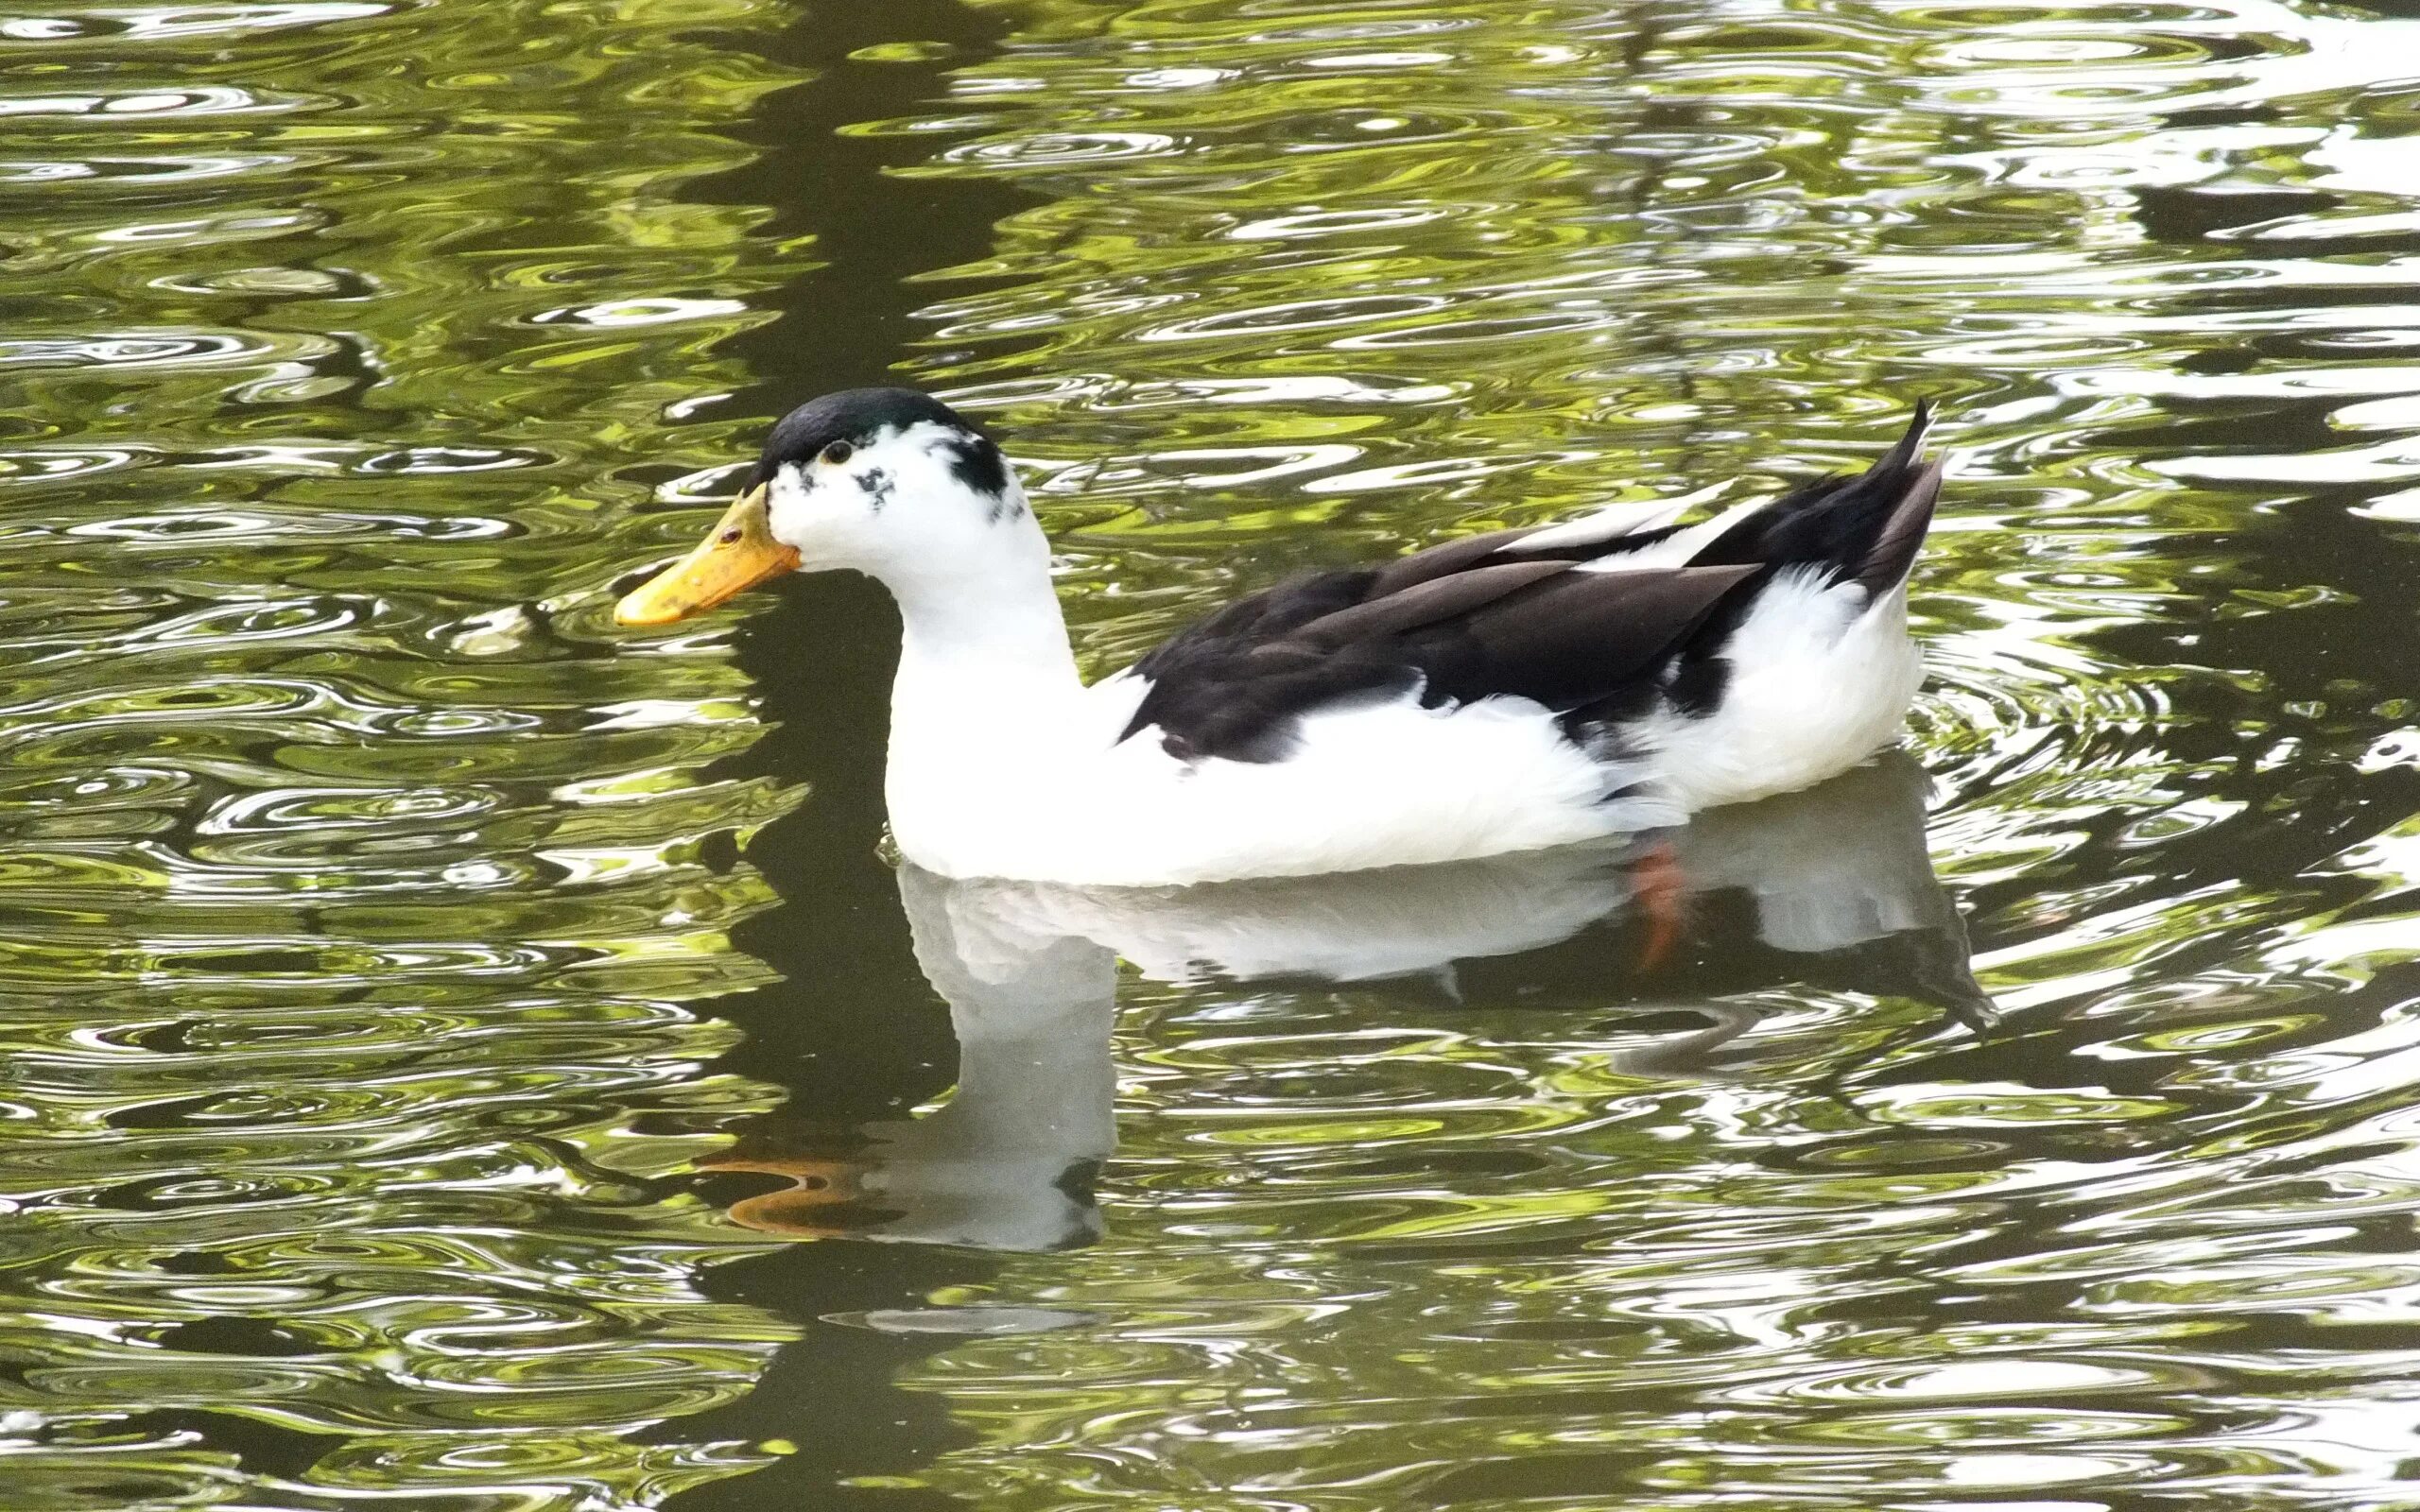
<point>1467,620</point>
<point>1535,630</point>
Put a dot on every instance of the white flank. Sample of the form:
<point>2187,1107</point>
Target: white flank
<point>1820,680</point>
<point>1374,786</point>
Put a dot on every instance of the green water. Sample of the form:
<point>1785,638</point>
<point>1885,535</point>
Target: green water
<point>461,1055</point>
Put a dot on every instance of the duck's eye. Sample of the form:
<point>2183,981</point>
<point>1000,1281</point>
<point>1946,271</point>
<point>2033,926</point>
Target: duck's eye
<point>839,452</point>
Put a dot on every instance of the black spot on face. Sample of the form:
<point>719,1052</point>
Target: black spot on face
<point>978,464</point>
<point>877,486</point>
<point>979,468</point>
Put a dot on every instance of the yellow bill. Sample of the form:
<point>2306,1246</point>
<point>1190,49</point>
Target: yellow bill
<point>739,554</point>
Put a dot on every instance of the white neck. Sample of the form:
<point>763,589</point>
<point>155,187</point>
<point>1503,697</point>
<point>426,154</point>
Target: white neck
<point>985,672</point>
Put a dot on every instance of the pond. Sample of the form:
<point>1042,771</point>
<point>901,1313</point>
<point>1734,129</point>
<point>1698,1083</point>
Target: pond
<point>463,1054</point>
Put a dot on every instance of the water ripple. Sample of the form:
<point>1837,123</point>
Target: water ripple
<point>341,1012</point>
<point>1359,272</point>
<point>362,876</point>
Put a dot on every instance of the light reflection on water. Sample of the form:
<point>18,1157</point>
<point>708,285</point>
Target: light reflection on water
<point>417,1097</point>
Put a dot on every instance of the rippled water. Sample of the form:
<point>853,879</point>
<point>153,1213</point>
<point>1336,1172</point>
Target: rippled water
<point>463,1056</point>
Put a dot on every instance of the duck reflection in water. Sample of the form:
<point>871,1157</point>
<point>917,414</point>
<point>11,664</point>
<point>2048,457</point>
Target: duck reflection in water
<point>1030,971</point>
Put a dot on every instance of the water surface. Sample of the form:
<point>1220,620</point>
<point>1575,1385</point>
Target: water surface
<point>464,1056</point>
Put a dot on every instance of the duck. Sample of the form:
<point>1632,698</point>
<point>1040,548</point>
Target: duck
<point>1511,691</point>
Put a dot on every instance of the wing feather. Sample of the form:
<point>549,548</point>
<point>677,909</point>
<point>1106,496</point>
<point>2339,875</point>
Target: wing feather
<point>1576,639</point>
<point>1425,603</point>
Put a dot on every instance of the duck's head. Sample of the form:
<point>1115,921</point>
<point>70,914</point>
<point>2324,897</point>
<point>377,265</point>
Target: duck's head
<point>887,481</point>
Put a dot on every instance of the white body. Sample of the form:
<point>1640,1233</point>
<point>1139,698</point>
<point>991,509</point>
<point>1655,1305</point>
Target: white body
<point>1004,764</point>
